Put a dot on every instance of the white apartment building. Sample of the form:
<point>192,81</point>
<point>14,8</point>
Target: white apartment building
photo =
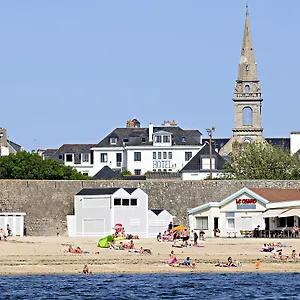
<point>167,148</point>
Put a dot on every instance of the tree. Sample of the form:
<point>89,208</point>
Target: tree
<point>24,165</point>
<point>262,161</point>
<point>125,172</point>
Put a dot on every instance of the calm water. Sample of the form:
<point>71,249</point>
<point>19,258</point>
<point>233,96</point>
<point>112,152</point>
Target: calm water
<point>154,286</point>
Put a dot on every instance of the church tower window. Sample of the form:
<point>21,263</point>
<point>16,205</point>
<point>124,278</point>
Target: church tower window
<point>247,88</point>
<point>247,116</point>
<point>247,68</point>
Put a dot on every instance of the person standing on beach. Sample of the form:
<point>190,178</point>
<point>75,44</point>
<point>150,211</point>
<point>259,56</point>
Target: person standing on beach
<point>170,226</point>
<point>57,231</point>
<point>9,232</point>
<point>195,238</point>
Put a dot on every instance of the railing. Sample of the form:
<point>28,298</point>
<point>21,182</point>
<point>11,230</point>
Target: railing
<point>251,95</point>
<point>119,164</point>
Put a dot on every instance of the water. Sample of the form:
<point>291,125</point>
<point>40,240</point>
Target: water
<point>152,286</point>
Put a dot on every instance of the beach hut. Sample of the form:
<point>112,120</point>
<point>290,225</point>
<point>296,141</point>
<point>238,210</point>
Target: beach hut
<point>158,221</point>
<point>97,210</point>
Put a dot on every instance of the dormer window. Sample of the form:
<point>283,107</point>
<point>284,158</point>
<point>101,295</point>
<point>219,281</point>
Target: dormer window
<point>143,140</point>
<point>113,140</point>
<point>125,140</point>
<point>158,139</point>
<point>166,139</point>
<point>162,138</point>
<point>183,140</point>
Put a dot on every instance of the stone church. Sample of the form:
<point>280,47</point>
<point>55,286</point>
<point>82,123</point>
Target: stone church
<point>247,99</point>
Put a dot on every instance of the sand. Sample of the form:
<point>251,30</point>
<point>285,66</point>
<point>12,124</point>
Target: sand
<point>45,255</point>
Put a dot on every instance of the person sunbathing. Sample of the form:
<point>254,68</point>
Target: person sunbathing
<point>130,245</point>
<point>71,249</point>
<point>145,251</point>
<point>79,250</point>
<point>294,255</point>
<point>86,270</point>
<point>120,246</point>
<point>173,258</point>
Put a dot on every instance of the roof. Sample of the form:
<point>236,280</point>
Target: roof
<point>278,195</point>
<point>98,191</point>
<point>218,143</point>
<point>48,153</point>
<point>140,136</point>
<point>76,149</point>
<point>105,173</point>
<point>103,191</point>
<point>195,163</point>
<point>157,211</point>
<point>130,190</point>
<point>15,146</point>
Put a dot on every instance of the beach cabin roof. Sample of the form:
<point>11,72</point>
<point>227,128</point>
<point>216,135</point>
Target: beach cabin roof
<point>103,191</point>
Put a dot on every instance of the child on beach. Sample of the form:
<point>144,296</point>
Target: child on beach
<point>257,264</point>
<point>86,270</point>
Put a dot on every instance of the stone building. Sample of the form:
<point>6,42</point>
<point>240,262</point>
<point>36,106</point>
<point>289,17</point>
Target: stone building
<point>6,145</point>
<point>247,98</point>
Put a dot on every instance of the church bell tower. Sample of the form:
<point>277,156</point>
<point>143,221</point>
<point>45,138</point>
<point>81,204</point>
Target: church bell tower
<point>247,98</point>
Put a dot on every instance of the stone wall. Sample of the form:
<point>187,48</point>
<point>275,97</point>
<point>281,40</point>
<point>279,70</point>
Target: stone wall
<point>47,203</point>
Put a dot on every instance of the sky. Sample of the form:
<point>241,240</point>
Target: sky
<point>72,71</point>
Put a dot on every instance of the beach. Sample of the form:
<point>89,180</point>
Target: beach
<point>47,255</point>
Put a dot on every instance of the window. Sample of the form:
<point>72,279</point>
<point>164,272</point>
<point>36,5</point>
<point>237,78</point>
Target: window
<point>206,163</point>
<point>247,116</point>
<point>154,155</point>
<point>247,68</point>
<point>125,202</point>
<point>183,140</point>
<point>69,157</point>
<point>137,172</point>
<point>230,223</point>
<point>85,157</point>
<point>202,222</point>
<point>103,157</point>
<point>170,155</point>
<point>125,140</point>
<point>159,155</point>
<point>143,140</point>
<point>85,173</point>
<point>166,139</point>
<point>247,88</point>
<point>133,202</point>
<point>113,140</point>
<point>60,157</point>
<point>164,155</point>
<point>158,139</point>
<point>230,215</point>
<point>188,156</point>
<point>137,156</point>
<point>117,202</point>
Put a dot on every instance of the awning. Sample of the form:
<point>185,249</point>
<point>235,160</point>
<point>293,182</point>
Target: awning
<point>290,213</point>
<point>273,212</point>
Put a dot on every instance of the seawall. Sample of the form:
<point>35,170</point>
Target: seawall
<point>47,203</point>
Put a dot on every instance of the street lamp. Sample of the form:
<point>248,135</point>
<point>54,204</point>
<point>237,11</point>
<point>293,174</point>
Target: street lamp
<point>210,132</point>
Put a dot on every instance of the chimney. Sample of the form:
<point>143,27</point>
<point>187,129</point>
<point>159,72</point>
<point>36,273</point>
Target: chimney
<point>150,132</point>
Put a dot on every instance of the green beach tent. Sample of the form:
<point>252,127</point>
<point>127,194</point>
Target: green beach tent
<point>103,243</point>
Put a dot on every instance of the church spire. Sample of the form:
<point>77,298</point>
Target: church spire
<point>247,64</point>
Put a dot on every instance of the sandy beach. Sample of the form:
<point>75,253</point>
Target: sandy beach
<point>45,255</point>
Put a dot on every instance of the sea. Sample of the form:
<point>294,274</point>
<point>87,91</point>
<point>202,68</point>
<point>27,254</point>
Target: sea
<point>153,286</point>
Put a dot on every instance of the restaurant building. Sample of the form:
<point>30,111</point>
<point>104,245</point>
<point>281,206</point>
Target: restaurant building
<point>248,212</point>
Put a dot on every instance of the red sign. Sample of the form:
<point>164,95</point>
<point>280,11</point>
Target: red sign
<point>245,201</point>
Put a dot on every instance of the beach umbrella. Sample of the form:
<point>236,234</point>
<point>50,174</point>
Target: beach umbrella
<point>178,228</point>
<point>118,226</point>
